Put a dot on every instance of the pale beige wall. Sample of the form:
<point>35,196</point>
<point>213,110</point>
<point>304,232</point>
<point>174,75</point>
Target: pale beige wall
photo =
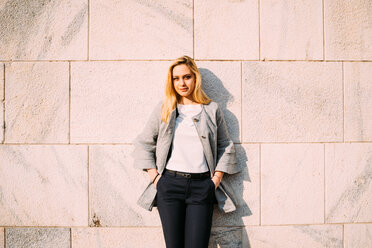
<point>78,79</point>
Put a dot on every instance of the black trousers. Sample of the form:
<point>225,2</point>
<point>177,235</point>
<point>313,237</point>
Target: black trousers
<point>185,207</point>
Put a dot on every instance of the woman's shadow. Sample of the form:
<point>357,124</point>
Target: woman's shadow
<point>228,228</point>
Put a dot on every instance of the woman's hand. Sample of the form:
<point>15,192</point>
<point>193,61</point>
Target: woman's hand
<point>216,182</point>
<point>217,177</point>
<point>157,179</point>
<point>152,173</point>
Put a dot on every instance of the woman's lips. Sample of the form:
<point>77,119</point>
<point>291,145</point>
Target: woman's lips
<point>184,89</point>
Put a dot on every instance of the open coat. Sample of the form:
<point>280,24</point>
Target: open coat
<point>152,150</point>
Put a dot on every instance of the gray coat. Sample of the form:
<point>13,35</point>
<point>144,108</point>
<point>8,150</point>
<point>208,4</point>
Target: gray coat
<point>152,146</point>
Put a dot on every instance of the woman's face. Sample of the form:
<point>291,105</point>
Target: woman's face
<point>183,80</point>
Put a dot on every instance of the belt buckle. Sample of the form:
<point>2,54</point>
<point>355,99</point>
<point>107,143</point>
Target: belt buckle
<point>187,175</point>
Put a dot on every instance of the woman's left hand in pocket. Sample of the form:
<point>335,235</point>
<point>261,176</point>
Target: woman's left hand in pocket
<point>216,182</point>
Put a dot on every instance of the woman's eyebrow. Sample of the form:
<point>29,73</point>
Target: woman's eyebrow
<point>184,75</point>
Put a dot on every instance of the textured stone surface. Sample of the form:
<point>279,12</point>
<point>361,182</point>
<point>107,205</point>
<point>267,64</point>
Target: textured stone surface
<point>226,29</point>
<point>111,101</point>
<point>73,106</point>
<point>1,102</point>
<point>117,237</point>
<point>43,185</point>
<point>358,235</point>
<point>43,30</point>
<point>348,171</point>
<point>37,102</point>
<point>247,188</point>
<point>348,29</point>
<point>222,83</point>
<point>291,29</point>
<point>115,186</point>
<point>143,29</point>
<point>292,102</point>
<point>298,236</point>
<point>292,183</point>
<point>38,237</point>
<point>229,237</point>
<point>358,101</point>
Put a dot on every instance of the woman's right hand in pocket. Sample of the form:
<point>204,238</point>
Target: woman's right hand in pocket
<point>157,180</point>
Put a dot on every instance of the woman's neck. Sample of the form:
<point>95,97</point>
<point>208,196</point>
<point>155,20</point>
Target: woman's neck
<point>186,101</point>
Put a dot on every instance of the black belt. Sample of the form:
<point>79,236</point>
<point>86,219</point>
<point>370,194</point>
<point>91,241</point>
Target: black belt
<point>188,175</point>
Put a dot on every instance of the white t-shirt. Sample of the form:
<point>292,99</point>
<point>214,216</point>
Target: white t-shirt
<point>187,151</point>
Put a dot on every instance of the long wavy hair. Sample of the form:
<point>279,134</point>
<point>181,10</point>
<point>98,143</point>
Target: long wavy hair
<point>172,97</point>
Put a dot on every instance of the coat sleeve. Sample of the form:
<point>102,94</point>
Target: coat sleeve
<point>226,157</point>
<point>144,152</point>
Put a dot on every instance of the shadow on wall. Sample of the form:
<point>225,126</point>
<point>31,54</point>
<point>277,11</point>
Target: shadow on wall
<point>228,229</point>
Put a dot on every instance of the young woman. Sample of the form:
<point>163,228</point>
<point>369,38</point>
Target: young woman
<point>185,148</point>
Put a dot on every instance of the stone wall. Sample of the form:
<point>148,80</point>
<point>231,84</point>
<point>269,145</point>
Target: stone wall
<point>78,79</point>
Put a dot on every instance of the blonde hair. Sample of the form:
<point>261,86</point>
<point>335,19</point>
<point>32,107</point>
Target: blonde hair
<point>171,96</point>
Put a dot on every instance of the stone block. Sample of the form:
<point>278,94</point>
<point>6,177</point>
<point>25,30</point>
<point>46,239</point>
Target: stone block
<point>37,237</point>
<point>226,30</point>
<point>348,182</point>
<point>226,237</point>
<point>43,185</point>
<point>292,102</point>
<point>291,30</point>
<point>358,101</point>
<point>44,30</point>
<point>140,29</point>
<point>358,235</point>
<point>296,236</point>
<point>292,183</point>
<point>348,30</point>
<point>1,102</point>
<point>111,101</point>
<point>37,102</point>
<point>2,239</point>
<point>117,237</point>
